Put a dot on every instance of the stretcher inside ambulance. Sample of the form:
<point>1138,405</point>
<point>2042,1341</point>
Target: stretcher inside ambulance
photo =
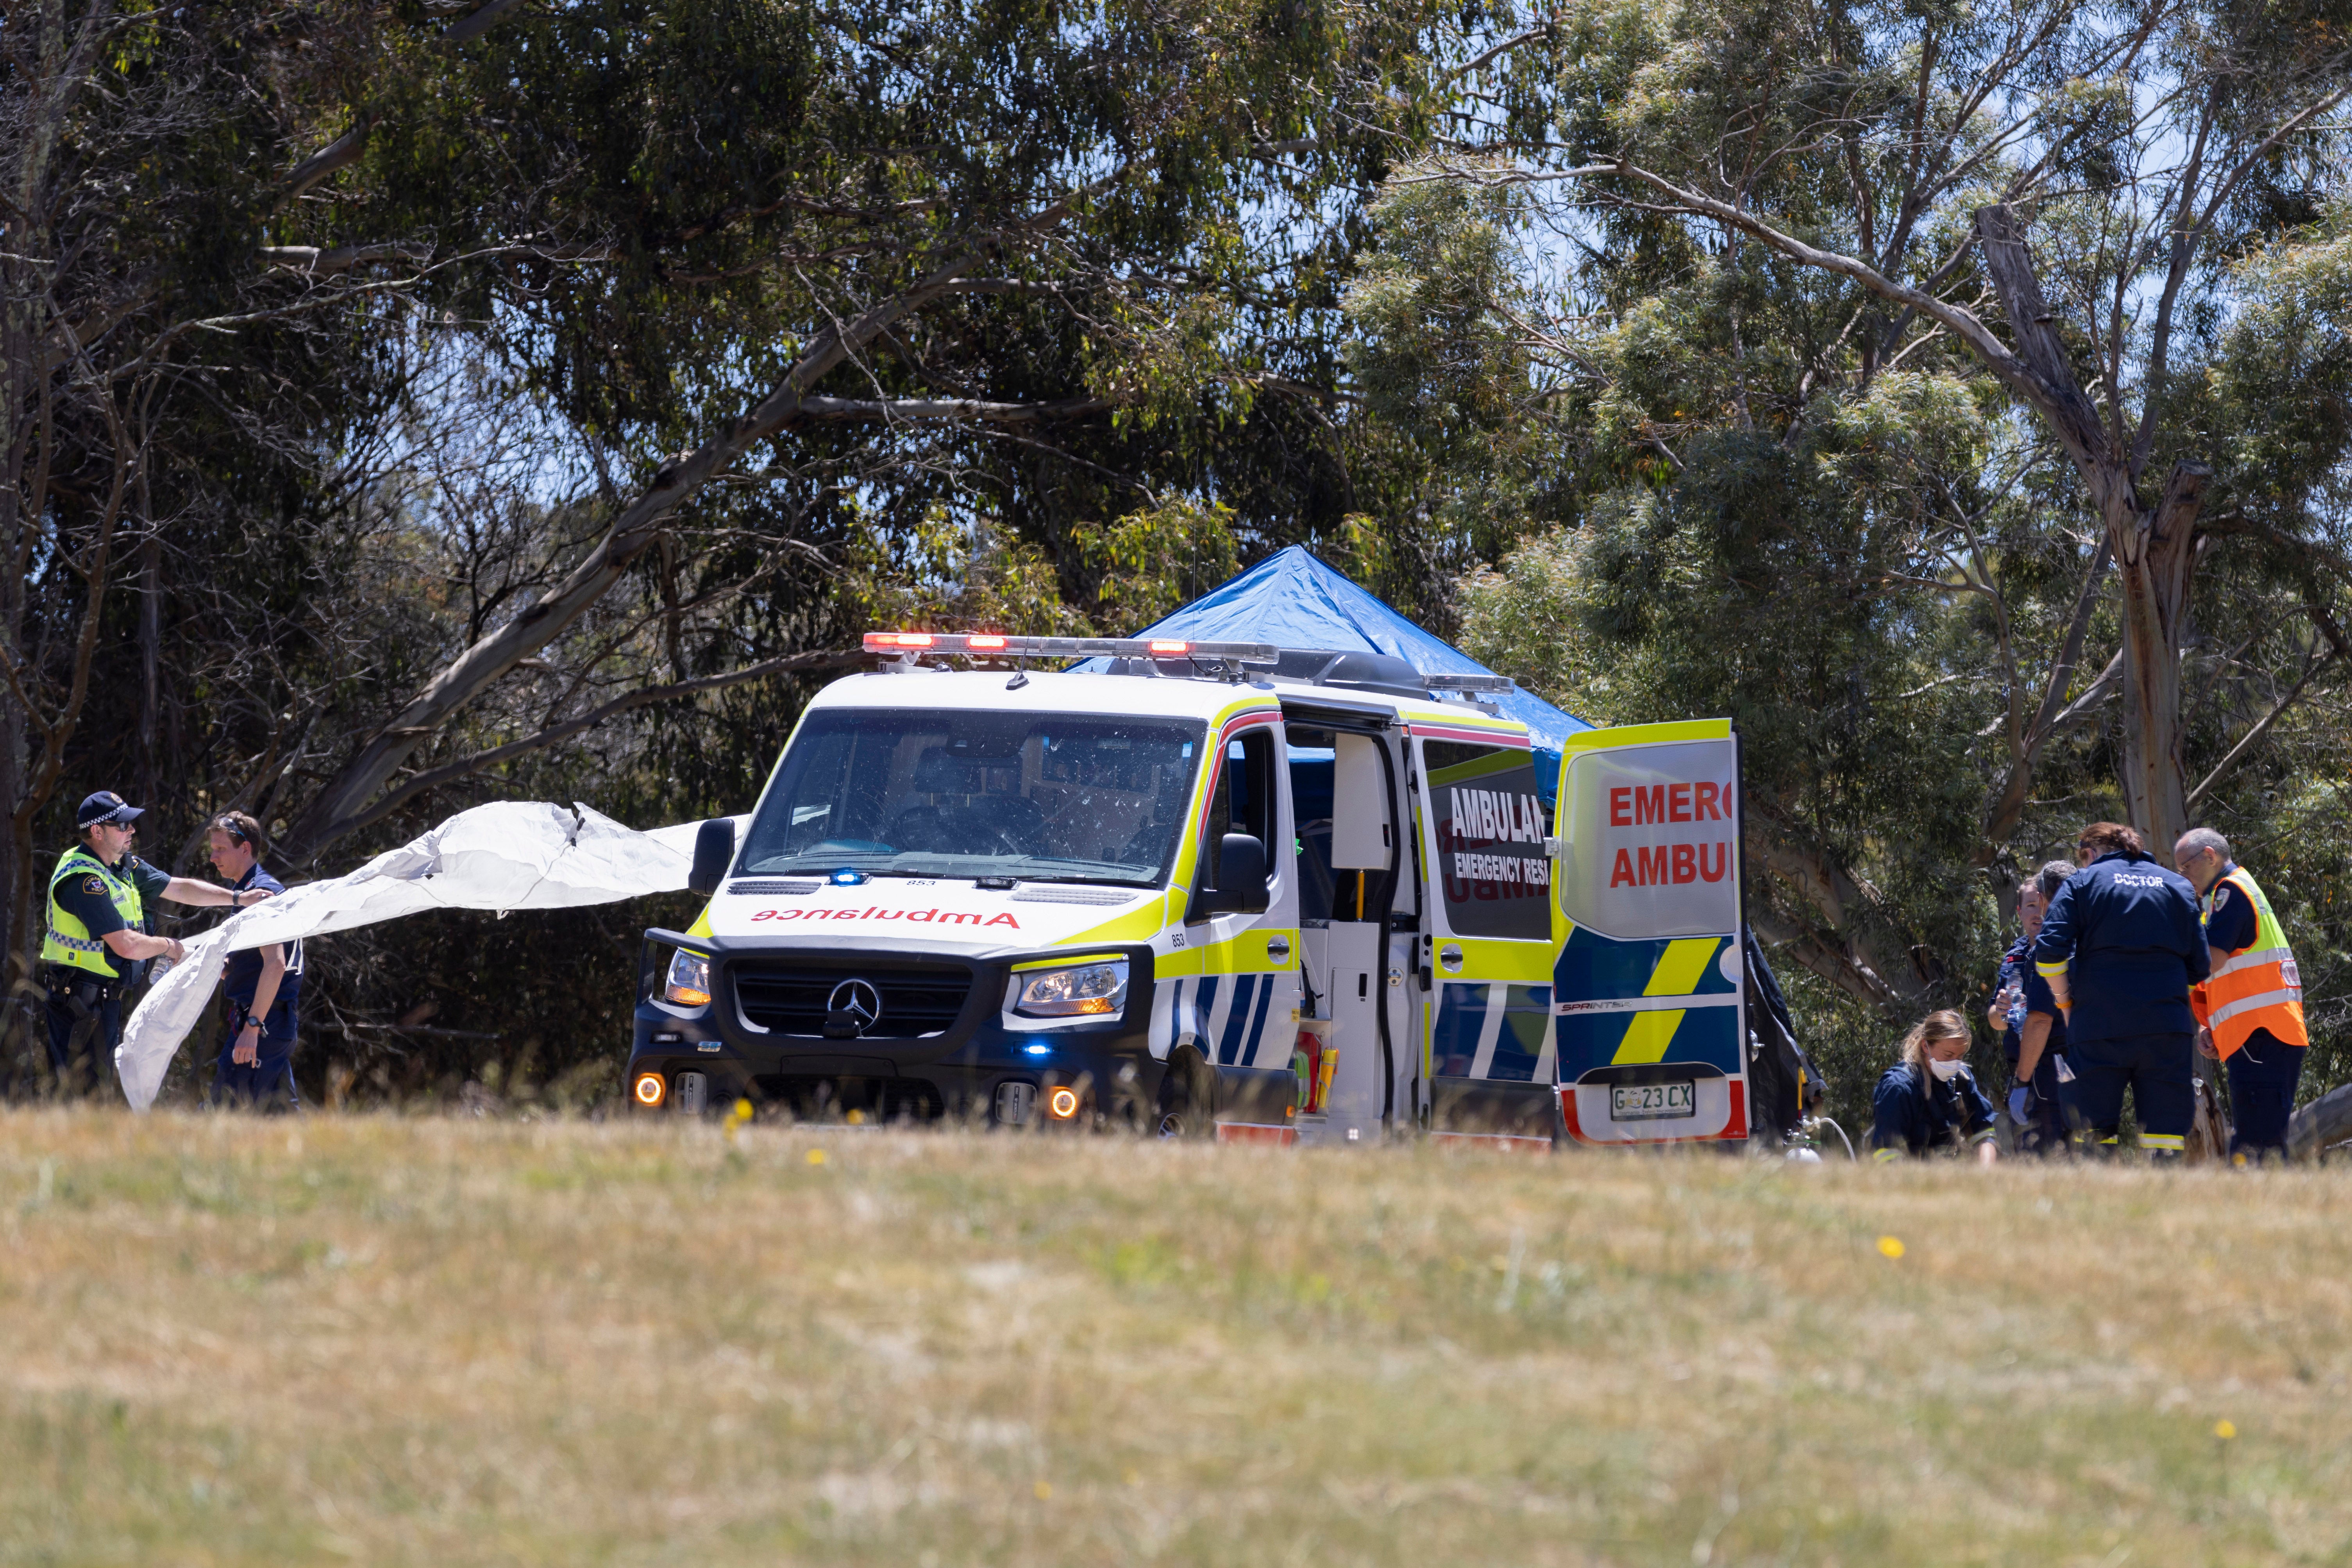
<point>1218,890</point>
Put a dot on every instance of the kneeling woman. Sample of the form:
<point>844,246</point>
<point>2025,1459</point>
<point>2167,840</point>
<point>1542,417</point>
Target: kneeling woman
<point>1929,1100</point>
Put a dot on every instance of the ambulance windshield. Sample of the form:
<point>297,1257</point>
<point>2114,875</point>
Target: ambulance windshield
<point>1038,796</point>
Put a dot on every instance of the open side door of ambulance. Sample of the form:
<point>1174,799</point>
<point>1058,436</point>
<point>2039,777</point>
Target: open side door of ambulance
<point>1485,960</point>
<point>1651,1014</point>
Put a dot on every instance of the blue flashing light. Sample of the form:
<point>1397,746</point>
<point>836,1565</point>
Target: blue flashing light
<point>1038,1050</point>
<point>848,877</point>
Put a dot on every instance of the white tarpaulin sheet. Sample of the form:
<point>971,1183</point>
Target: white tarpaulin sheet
<point>515,855</point>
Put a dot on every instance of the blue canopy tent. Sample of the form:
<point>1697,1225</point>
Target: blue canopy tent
<point>1294,600</point>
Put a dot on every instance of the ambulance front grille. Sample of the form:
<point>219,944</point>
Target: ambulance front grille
<point>788,998</point>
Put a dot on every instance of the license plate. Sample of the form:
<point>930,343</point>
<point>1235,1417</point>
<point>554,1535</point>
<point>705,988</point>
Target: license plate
<point>1649,1101</point>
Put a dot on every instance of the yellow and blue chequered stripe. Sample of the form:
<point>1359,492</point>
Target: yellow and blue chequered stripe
<point>1595,968</point>
<point>1490,1029</point>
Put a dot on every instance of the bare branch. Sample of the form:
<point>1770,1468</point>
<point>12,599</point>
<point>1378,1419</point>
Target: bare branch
<point>2261,727</point>
<point>2016,373</point>
<point>338,808</point>
<point>346,149</point>
<point>912,409</point>
<point>1505,47</point>
<point>465,767</point>
<point>314,262</point>
<point>336,155</point>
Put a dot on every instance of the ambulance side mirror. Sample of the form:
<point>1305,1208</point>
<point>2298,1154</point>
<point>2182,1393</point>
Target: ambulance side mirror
<point>714,850</point>
<point>1241,887</point>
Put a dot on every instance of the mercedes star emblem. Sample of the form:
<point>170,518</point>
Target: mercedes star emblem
<point>858,1001</point>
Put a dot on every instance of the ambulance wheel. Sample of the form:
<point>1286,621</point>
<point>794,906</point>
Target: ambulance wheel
<point>2321,1128</point>
<point>1187,1104</point>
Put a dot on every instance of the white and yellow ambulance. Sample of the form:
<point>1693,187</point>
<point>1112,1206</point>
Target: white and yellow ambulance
<point>1210,889</point>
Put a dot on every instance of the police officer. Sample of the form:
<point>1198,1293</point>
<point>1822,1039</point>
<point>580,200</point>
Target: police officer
<point>2119,949</point>
<point>263,986</point>
<point>97,934</point>
<point>2034,1030</point>
<point>1928,1100</point>
<point>2251,1007</point>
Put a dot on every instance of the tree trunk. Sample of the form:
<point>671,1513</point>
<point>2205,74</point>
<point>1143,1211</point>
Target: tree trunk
<point>15,966</point>
<point>18,350</point>
<point>2156,551</point>
<point>151,652</point>
<point>2155,548</point>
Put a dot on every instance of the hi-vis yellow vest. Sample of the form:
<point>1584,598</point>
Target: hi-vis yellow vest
<point>2259,987</point>
<point>68,941</point>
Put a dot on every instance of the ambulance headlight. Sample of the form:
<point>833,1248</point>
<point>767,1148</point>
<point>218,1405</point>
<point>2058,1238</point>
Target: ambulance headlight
<point>690,980</point>
<point>1079,991</point>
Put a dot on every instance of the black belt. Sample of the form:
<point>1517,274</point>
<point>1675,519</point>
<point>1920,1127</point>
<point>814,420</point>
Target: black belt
<point>70,979</point>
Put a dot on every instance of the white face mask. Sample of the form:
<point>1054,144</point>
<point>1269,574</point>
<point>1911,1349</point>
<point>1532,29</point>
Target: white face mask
<point>1946,1070</point>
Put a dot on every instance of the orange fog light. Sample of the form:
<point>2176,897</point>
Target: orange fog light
<point>651,1089</point>
<point>1063,1104</point>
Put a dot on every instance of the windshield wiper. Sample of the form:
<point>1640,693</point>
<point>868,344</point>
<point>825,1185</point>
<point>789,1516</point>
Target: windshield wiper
<point>957,867</point>
<point>1122,875</point>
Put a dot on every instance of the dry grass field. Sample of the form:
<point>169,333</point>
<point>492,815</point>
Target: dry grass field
<point>447,1341</point>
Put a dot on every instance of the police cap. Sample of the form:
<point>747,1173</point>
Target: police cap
<point>106,806</point>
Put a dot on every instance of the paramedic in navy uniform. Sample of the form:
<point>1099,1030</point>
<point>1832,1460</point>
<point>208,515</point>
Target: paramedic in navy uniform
<point>2033,1033</point>
<point>263,985</point>
<point>2120,948</point>
<point>1928,1100</point>
<point>2041,1079</point>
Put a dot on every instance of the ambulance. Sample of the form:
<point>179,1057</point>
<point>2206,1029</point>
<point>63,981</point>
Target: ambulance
<point>1220,889</point>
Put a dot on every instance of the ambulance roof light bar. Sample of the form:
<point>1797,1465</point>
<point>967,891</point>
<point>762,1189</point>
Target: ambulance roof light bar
<point>1225,659</point>
<point>911,645</point>
<point>1443,683</point>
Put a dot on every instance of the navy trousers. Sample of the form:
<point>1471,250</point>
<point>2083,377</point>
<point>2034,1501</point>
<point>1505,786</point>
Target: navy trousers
<point>2044,1130</point>
<point>2263,1074</point>
<point>267,1085</point>
<point>85,1025</point>
<point>2157,1069</point>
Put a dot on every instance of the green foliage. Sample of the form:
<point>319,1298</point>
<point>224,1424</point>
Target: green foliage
<point>585,239</point>
<point>1725,479</point>
<point>1246,276</point>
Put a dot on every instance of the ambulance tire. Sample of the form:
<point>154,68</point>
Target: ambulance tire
<point>2323,1129</point>
<point>1188,1097</point>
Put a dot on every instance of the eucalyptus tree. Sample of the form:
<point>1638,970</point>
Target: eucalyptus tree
<point>1920,343</point>
<point>155,359</point>
<point>811,277</point>
<point>2147,145</point>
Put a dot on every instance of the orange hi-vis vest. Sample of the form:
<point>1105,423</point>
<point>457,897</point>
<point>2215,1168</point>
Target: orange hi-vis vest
<point>2259,987</point>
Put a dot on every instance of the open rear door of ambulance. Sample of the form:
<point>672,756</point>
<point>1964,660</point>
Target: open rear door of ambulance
<point>1486,951</point>
<point>1650,1011</point>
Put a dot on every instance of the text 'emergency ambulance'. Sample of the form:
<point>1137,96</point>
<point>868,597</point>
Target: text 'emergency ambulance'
<point>1659,865</point>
